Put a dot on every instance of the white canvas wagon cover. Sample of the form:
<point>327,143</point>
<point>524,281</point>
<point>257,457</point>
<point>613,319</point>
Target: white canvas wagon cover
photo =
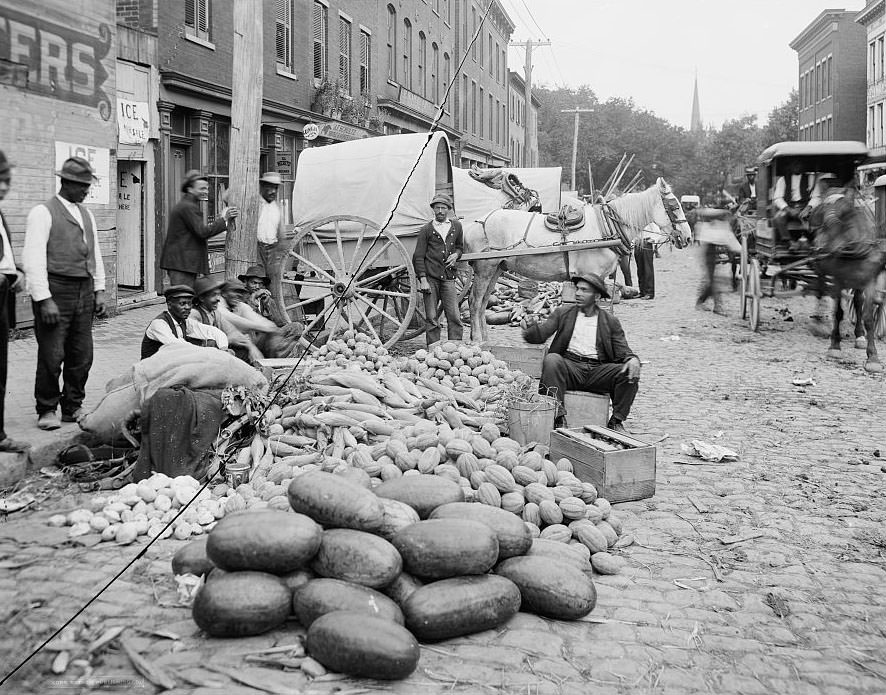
<point>474,199</point>
<point>363,178</point>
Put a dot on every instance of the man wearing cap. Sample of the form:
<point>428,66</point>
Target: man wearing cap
<point>589,352</point>
<point>260,299</point>
<point>11,280</point>
<point>185,254</point>
<point>747,192</point>
<point>271,235</point>
<point>66,281</point>
<point>175,325</point>
<point>206,310</point>
<point>439,245</point>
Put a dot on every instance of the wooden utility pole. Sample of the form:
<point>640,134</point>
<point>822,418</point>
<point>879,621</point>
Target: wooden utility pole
<point>243,167</point>
<point>576,111</point>
<point>527,89</point>
<point>590,179</point>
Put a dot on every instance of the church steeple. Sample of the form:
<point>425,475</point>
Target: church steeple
<point>695,125</point>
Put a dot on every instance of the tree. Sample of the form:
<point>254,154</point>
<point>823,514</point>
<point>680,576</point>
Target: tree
<point>784,121</point>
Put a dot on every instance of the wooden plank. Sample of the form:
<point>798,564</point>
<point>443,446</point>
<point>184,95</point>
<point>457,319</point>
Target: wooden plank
<point>540,250</point>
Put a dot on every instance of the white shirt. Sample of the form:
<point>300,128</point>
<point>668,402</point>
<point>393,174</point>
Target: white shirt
<point>778,196</point>
<point>753,190</point>
<point>216,320</point>
<point>584,336</point>
<point>159,330</point>
<point>7,263</point>
<point>34,252</point>
<point>442,228</point>
<point>269,217</point>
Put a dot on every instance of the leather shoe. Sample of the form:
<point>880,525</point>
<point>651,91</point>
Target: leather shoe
<point>616,426</point>
<point>647,296</point>
<point>72,417</point>
<point>48,421</point>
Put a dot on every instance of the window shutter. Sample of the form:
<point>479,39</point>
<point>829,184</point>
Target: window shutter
<point>344,54</point>
<point>364,63</point>
<point>283,19</point>
<point>320,19</point>
<point>203,17</point>
<point>189,12</point>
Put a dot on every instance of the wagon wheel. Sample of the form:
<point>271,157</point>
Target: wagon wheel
<point>355,274</point>
<point>745,269</point>
<point>754,294</point>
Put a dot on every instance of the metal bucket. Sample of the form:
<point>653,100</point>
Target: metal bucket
<point>527,289</point>
<point>237,473</point>
<point>532,421</point>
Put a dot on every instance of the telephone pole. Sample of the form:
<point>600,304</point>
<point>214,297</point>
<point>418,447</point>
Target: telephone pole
<point>246,103</point>
<point>527,87</point>
<point>576,111</point>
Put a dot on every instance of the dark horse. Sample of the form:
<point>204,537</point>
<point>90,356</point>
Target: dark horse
<point>849,257</point>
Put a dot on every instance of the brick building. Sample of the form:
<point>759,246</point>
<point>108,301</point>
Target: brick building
<point>873,20</point>
<point>519,119</point>
<point>57,88</point>
<point>831,55</point>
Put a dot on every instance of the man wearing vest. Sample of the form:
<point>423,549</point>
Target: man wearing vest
<point>66,281</point>
<point>185,252</point>
<point>589,352</point>
<point>175,325</point>
<point>10,283</point>
<point>439,245</point>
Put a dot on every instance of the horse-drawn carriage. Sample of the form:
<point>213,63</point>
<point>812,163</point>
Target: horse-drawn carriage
<point>789,260</point>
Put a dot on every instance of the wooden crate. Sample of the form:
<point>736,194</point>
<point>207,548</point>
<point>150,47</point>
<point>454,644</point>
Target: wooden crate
<point>619,476</point>
<point>584,408</point>
<point>526,358</point>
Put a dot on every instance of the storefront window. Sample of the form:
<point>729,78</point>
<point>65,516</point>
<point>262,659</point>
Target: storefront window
<point>283,161</point>
<point>217,167</point>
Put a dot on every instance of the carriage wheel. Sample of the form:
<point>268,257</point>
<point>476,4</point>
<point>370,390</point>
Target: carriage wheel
<point>464,277</point>
<point>754,294</point>
<point>356,275</point>
<point>745,269</point>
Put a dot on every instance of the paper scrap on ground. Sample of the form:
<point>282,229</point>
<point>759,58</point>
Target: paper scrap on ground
<point>670,338</point>
<point>708,452</point>
<point>804,381</point>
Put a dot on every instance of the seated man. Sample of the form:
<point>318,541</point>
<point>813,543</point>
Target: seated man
<point>747,192</point>
<point>260,299</point>
<point>176,326</point>
<point>794,198</point>
<point>588,353</point>
<point>206,311</point>
<point>236,310</point>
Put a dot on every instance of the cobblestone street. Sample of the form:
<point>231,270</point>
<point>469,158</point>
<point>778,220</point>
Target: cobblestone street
<point>760,576</point>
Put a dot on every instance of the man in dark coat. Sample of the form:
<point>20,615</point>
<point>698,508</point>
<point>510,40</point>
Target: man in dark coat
<point>439,245</point>
<point>185,252</point>
<point>10,283</point>
<point>747,192</point>
<point>589,352</point>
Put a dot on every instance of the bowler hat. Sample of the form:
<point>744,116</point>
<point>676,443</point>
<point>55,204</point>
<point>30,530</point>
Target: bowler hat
<point>255,271</point>
<point>178,291</point>
<point>235,285</point>
<point>5,166</point>
<point>204,285</point>
<point>271,177</point>
<point>594,281</point>
<point>190,177</point>
<point>77,169</point>
<point>441,198</point>
<point>750,170</point>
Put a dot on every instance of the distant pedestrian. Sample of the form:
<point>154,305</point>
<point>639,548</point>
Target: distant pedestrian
<point>439,245</point>
<point>11,278</point>
<point>271,236</point>
<point>66,281</point>
<point>644,253</point>
<point>185,254</point>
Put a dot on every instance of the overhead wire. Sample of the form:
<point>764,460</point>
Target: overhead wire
<point>354,274</point>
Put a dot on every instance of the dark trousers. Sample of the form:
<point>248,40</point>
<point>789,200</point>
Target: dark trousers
<point>180,277</point>
<point>272,256</point>
<point>4,348</point>
<point>560,374</point>
<point>68,343</point>
<point>624,262</point>
<point>709,264</point>
<point>445,292</point>
<point>645,270</point>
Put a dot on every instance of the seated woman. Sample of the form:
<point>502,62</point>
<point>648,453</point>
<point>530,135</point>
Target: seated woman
<point>175,325</point>
<point>206,311</point>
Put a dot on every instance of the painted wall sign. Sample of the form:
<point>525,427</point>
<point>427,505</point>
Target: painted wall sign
<point>133,122</point>
<point>62,62</point>
<point>99,158</point>
<point>341,131</point>
<point>284,164</point>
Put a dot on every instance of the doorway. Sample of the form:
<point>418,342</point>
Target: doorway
<point>130,226</point>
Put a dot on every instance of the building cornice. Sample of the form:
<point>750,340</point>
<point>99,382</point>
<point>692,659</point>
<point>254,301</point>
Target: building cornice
<point>871,11</point>
<point>816,26</point>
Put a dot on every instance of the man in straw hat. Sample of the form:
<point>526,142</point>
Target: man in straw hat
<point>185,253</point>
<point>589,352</point>
<point>66,281</point>
<point>10,283</point>
<point>439,245</point>
<point>271,237</point>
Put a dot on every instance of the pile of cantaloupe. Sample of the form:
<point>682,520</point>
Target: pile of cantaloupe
<point>370,573</point>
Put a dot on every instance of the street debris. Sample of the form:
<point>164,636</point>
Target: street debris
<point>16,502</point>
<point>670,338</point>
<point>708,452</point>
<point>804,381</point>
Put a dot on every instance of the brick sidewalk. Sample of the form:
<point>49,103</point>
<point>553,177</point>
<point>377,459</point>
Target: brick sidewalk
<point>117,344</point>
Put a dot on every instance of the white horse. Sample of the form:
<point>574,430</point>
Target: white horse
<point>514,229</point>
